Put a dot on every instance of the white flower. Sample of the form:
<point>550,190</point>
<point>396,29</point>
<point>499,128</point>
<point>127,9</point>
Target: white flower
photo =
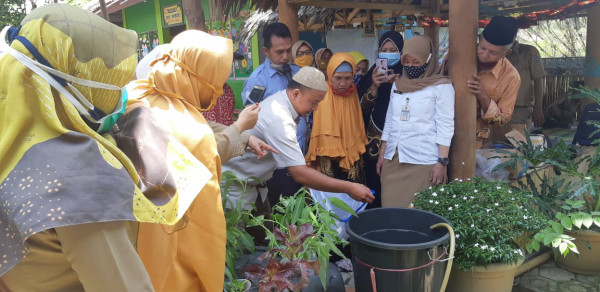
<point>430,201</point>
<point>472,197</point>
<point>442,189</point>
<point>453,196</point>
<point>492,248</point>
<point>460,180</point>
<point>430,187</point>
<point>512,199</point>
<point>472,225</point>
<point>449,208</point>
<point>488,210</point>
<point>496,204</point>
<point>456,205</point>
<point>509,191</point>
<point>525,217</point>
<point>484,247</point>
<point>436,202</point>
<point>475,191</point>
<point>416,194</point>
<point>519,252</point>
<point>434,194</point>
<point>498,187</point>
<point>477,244</point>
<point>465,198</point>
<point>457,235</point>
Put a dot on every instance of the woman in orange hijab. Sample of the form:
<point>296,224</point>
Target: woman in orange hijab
<point>338,139</point>
<point>182,83</point>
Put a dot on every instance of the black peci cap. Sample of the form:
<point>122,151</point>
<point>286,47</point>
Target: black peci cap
<point>501,30</point>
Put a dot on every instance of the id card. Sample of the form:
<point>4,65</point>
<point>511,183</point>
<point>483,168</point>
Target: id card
<point>405,114</point>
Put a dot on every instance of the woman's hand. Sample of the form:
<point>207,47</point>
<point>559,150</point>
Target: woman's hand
<point>259,147</point>
<point>379,165</point>
<point>439,174</point>
<point>378,78</point>
<point>247,118</point>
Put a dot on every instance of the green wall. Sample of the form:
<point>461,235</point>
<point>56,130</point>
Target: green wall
<point>140,17</point>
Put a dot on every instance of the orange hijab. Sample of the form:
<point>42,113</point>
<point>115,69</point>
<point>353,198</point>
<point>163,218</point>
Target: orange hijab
<point>338,127</point>
<point>184,81</point>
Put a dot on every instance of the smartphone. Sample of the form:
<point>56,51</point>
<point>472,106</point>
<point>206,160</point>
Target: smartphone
<point>382,65</point>
<point>256,95</point>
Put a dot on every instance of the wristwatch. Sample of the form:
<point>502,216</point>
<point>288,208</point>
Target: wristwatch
<point>443,160</point>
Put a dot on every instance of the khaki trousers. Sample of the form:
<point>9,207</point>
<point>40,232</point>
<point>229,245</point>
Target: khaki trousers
<point>400,182</point>
<point>86,257</point>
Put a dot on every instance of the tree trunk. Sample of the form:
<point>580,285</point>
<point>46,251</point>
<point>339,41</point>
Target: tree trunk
<point>103,9</point>
<point>195,14</point>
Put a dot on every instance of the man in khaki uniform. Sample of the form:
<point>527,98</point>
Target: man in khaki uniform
<point>528,107</point>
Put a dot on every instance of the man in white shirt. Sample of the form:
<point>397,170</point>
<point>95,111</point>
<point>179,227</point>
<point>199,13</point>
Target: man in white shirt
<point>277,122</point>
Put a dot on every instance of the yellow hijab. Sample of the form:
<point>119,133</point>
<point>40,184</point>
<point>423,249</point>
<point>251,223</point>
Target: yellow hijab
<point>86,178</point>
<point>183,82</point>
<point>338,127</point>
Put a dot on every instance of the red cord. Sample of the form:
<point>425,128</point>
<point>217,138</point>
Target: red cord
<point>372,272</point>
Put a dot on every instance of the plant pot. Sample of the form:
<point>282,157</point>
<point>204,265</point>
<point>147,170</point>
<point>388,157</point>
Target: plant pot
<point>493,278</point>
<point>247,285</point>
<point>586,262</point>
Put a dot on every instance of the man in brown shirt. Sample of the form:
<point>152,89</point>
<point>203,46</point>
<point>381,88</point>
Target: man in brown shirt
<point>528,62</point>
<point>497,82</point>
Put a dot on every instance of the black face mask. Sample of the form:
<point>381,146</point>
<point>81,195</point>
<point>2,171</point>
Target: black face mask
<point>415,71</point>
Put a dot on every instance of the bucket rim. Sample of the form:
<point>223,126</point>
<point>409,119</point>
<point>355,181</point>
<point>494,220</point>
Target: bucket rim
<point>353,236</point>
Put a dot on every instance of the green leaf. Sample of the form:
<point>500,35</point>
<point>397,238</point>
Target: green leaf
<point>549,238</point>
<point>566,222</point>
<point>587,220</point>
<point>342,205</point>
<point>557,227</point>
<point>563,248</point>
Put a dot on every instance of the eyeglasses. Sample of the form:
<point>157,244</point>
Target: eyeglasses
<point>304,53</point>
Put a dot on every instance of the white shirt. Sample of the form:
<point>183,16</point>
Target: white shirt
<point>276,126</point>
<point>431,123</point>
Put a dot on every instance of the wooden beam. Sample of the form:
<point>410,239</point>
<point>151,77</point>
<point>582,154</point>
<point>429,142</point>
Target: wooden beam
<point>339,17</point>
<point>462,56</point>
<point>352,14</point>
<point>288,15</point>
<point>592,50</point>
<point>361,5</point>
<point>433,32</point>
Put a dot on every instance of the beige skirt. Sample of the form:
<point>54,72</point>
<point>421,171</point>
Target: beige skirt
<point>400,182</point>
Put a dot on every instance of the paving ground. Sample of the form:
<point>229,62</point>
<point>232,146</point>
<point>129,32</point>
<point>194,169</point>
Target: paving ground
<point>547,277</point>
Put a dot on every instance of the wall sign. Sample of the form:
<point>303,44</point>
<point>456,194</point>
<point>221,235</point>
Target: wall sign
<point>172,15</point>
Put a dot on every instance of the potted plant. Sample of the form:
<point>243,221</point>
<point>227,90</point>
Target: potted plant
<point>488,217</point>
<point>575,230</point>
<point>300,245</point>
<point>238,240</point>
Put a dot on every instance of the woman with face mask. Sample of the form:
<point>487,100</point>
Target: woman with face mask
<point>302,54</point>
<point>362,65</point>
<point>183,83</point>
<point>337,140</point>
<point>374,91</point>
<point>69,194</point>
<point>322,57</point>
<point>419,126</point>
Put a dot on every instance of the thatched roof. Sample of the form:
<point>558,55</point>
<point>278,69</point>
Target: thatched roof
<point>315,15</point>
<point>258,19</point>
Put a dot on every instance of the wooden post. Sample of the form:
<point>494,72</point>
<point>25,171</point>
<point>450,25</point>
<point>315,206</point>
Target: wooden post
<point>592,50</point>
<point>433,32</point>
<point>462,62</point>
<point>288,15</point>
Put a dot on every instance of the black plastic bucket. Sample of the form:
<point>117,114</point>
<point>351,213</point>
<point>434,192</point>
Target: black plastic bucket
<point>397,249</point>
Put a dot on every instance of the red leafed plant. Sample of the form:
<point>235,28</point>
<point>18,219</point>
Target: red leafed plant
<point>285,269</point>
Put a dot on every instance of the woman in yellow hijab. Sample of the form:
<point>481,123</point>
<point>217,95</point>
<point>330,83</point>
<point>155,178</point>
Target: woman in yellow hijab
<point>182,83</point>
<point>69,194</point>
<point>337,139</point>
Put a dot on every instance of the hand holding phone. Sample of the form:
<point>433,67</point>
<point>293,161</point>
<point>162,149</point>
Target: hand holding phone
<point>382,65</point>
<point>256,95</point>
